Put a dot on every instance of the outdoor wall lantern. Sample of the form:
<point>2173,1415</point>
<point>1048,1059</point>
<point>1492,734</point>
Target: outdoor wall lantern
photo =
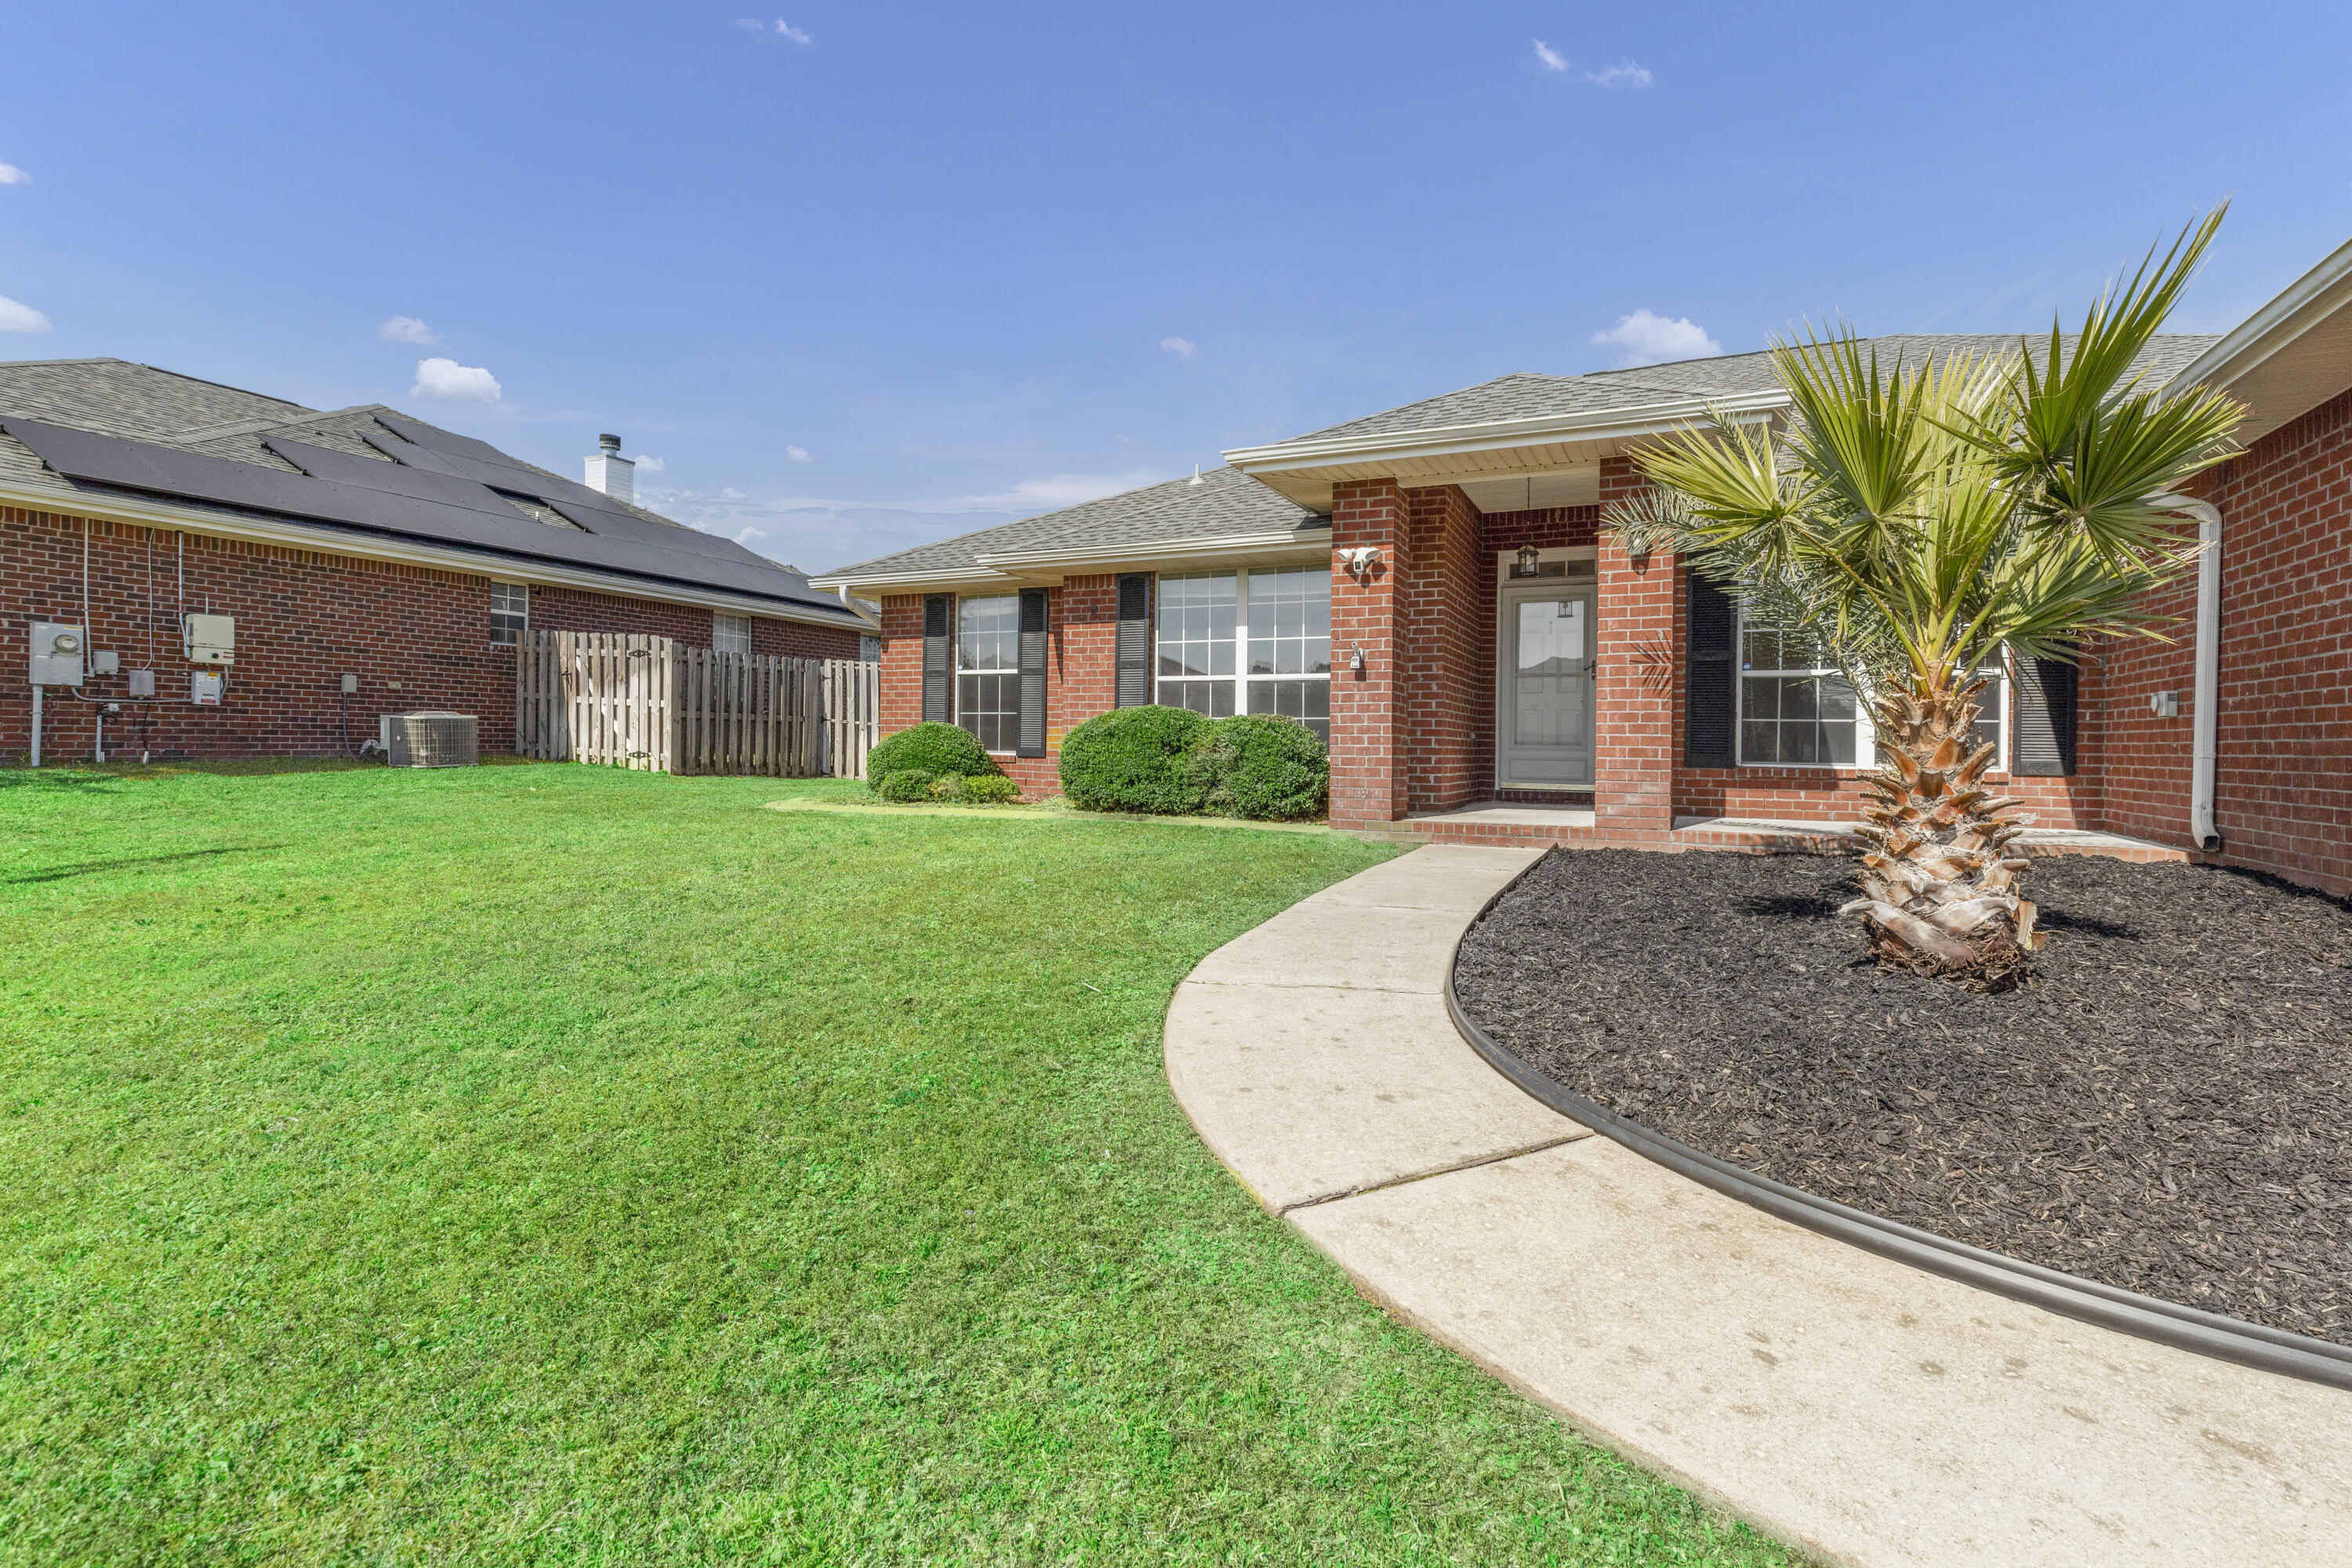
<point>1527,560</point>
<point>1356,661</point>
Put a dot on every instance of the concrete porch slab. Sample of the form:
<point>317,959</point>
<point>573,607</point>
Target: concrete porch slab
<point>1500,814</point>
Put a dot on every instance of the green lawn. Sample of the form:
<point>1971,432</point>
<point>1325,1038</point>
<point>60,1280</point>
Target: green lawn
<point>547,1164</point>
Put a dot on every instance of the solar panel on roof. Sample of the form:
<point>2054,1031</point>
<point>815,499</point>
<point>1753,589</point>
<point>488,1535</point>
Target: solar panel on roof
<point>341,488</point>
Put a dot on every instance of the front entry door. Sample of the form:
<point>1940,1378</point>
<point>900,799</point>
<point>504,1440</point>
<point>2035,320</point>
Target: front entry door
<point>1543,703</point>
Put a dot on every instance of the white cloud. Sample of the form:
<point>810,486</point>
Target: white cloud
<point>786,29</point>
<point>1551,60</point>
<point>1624,72</point>
<point>1053,492</point>
<point>647,465</point>
<point>1182,347</point>
<point>16,318</point>
<point>12,176</point>
<point>408,329</point>
<point>797,455</point>
<point>749,24</point>
<point>446,381</point>
<point>1647,338</point>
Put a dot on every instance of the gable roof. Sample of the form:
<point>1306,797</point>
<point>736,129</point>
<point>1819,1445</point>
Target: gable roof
<point>1527,396</point>
<point>1221,512</point>
<point>87,431</point>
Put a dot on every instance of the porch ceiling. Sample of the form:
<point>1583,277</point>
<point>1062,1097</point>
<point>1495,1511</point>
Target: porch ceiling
<point>1567,471</point>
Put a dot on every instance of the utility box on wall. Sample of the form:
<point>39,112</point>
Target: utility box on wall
<point>212,639</point>
<point>56,653</point>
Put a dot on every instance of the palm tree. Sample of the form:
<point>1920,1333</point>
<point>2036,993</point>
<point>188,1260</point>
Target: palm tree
<point>1914,520</point>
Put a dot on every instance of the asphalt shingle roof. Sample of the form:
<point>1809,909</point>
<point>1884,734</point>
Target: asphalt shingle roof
<point>1527,396</point>
<point>1225,502</point>
<point>160,408</point>
<point>1230,502</point>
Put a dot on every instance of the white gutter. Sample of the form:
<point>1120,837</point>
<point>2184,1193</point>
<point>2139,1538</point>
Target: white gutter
<point>301,536</point>
<point>2297,309</point>
<point>1007,568</point>
<point>1453,441</point>
<point>2204,715</point>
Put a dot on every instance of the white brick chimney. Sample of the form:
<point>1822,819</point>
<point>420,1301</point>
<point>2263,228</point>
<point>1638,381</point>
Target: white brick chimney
<point>612,473</point>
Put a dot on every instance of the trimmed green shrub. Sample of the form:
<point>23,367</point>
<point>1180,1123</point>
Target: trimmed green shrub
<point>904,785</point>
<point>939,749</point>
<point>993,789</point>
<point>1135,758</point>
<point>1265,766</point>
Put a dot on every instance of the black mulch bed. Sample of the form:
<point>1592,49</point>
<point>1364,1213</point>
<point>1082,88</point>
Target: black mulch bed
<point>2166,1106</point>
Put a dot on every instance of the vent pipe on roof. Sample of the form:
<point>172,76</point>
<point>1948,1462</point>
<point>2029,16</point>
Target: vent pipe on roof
<point>612,473</point>
<point>1196,475</point>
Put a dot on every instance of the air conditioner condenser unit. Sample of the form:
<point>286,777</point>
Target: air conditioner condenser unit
<point>430,740</point>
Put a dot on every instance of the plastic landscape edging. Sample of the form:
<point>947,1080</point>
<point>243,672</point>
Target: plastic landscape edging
<point>2069,1296</point>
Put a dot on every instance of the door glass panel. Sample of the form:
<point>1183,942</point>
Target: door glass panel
<point>1552,695</point>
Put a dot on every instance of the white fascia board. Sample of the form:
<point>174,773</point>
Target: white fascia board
<point>1209,548</point>
<point>878,583</point>
<point>1446,441</point>
<point>298,536</point>
<point>2299,307</point>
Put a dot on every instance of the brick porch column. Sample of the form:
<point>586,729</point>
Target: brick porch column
<point>1368,754</point>
<point>1634,688</point>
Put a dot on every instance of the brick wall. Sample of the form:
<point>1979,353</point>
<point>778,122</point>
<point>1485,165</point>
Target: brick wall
<point>1445,658</point>
<point>2282,784</point>
<point>1369,782</point>
<point>416,636</point>
<point>1637,719</point>
<point>1081,669</point>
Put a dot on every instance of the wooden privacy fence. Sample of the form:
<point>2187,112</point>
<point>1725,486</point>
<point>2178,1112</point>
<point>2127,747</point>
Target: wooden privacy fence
<point>650,704</point>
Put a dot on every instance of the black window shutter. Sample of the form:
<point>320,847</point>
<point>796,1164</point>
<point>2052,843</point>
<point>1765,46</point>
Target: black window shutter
<point>1710,680</point>
<point>1134,656</point>
<point>2043,746</point>
<point>938,676</point>
<point>1032,739</point>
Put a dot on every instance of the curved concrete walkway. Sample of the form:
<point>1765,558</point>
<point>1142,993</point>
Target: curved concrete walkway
<point>1859,1409</point>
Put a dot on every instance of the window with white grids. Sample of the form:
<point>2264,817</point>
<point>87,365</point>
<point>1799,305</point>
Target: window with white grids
<point>510,612</point>
<point>988,670</point>
<point>731,633</point>
<point>1795,709</point>
<point>1248,642</point>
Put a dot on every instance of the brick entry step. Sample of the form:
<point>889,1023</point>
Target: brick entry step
<point>1508,823</point>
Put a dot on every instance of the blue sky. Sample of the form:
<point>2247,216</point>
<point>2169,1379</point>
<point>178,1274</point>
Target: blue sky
<point>860,276</point>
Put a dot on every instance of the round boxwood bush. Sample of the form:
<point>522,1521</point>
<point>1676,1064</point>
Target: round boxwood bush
<point>1266,766</point>
<point>1135,758</point>
<point>905,784</point>
<point>939,750</point>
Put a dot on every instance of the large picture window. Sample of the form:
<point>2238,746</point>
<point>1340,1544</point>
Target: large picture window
<point>988,670</point>
<point>1795,709</point>
<point>1248,642</point>
<point>1993,715</point>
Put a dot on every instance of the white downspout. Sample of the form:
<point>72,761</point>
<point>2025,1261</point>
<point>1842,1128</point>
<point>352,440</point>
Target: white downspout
<point>2204,715</point>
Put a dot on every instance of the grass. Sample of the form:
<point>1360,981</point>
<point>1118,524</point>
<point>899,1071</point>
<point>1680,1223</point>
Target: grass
<point>554,1165</point>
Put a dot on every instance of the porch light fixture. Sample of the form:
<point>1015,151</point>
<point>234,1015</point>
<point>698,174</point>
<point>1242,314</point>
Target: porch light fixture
<point>1528,561</point>
<point>1360,561</point>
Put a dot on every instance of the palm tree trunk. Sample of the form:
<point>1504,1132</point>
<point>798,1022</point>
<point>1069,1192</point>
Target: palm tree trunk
<point>1940,886</point>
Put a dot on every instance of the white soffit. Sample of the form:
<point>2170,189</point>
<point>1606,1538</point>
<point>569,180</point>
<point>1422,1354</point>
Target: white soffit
<point>1577,486</point>
<point>2288,357</point>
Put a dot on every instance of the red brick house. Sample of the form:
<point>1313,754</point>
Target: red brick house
<point>358,542</point>
<point>1428,586</point>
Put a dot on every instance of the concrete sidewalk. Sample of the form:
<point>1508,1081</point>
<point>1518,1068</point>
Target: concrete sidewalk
<point>1862,1410</point>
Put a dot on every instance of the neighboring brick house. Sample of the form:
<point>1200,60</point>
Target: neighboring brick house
<point>1430,589</point>
<point>357,542</point>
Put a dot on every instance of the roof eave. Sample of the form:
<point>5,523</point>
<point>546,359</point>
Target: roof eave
<point>1445,441</point>
<point>333,541</point>
<point>1011,569</point>
<point>2285,322</point>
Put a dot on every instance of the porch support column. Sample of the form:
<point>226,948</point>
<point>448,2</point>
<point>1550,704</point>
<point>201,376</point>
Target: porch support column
<point>1368,753</point>
<point>1634,688</point>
